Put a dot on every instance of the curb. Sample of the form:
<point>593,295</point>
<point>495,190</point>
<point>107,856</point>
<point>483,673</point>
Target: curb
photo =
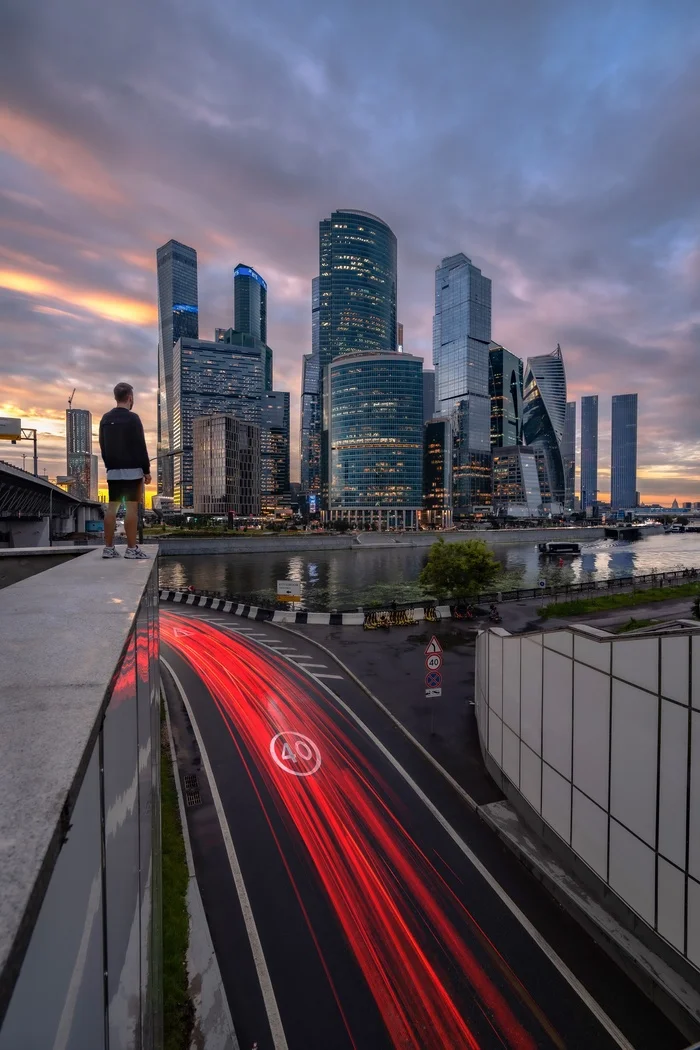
<point>254,612</point>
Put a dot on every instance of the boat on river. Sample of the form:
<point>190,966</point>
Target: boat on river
<point>559,547</point>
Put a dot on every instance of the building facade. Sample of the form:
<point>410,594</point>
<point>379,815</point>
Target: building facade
<point>310,426</point>
<point>232,337</point>
<point>544,418</point>
<point>274,451</point>
<point>226,466</point>
<point>506,395</point>
<point>461,340</point>
<point>374,420</point>
<point>623,452</point>
<point>249,302</point>
<point>516,485</point>
<point>79,451</point>
<point>211,378</point>
<point>568,455</point>
<point>589,451</point>
<point>178,318</point>
<point>428,395</point>
<point>94,479</point>
<point>437,473</point>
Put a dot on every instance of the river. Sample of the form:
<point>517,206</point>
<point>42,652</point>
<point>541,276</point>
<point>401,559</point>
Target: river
<point>346,579</point>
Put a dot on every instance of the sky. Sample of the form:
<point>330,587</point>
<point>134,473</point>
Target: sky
<point>555,143</point>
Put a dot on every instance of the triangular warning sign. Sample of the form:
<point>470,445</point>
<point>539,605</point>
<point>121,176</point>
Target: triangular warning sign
<point>433,646</point>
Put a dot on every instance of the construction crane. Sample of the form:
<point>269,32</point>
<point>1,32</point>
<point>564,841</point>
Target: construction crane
<point>70,399</point>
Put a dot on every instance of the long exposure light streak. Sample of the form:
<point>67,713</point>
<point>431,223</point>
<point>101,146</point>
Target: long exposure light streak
<point>406,928</point>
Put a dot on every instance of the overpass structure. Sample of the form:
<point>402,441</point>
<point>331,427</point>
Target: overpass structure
<point>32,510</point>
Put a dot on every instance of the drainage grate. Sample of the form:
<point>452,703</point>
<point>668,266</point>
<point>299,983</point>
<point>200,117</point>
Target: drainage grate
<point>192,795</point>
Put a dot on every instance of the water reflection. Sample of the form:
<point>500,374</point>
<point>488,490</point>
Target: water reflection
<point>346,579</point>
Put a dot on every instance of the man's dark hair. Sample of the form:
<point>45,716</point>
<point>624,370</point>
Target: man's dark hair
<point>122,391</point>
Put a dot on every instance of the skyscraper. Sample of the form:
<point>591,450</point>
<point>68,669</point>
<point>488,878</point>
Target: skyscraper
<point>249,302</point>
<point>428,395</point>
<point>589,451</point>
<point>373,417</point>
<point>274,450</point>
<point>232,337</point>
<point>506,394</point>
<point>544,417</point>
<point>211,378</point>
<point>178,317</point>
<point>437,472</point>
<point>226,466</point>
<point>623,452</point>
<point>516,484</point>
<point>310,426</point>
<point>461,339</point>
<point>356,295</point>
<point>79,451</point>
<point>568,455</point>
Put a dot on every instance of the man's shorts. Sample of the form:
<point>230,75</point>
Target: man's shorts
<point>128,491</point>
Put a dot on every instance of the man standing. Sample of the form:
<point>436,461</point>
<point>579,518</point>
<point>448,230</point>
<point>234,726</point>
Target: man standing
<point>126,461</point>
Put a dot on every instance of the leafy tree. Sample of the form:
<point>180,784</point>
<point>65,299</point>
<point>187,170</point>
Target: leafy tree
<point>459,570</point>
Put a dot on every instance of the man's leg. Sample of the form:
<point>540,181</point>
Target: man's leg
<point>110,523</point>
<point>131,524</point>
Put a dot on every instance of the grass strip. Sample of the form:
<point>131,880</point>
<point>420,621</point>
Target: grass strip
<point>178,1010</point>
<point>604,602</point>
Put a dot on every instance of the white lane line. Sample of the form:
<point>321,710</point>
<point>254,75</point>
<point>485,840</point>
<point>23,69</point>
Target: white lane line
<point>572,980</point>
<point>306,667</point>
<point>268,993</point>
<point>317,674</point>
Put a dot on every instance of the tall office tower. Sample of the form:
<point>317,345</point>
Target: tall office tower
<point>428,395</point>
<point>79,451</point>
<point>233,338</point>
<point>356,294</point>
<point>589,451</point>
<point>623,452</point>
<point>516,484</point>
<point>310,426</point>
<point>461,339</point>
<point>437,472</point>
<point>274,450</point>
<point>544,417</point>
<point>506,394</point>
<point>249,302</point>
<point>226,466</point>
<point>374,421</point>
<point>568,455</point>
<point>178,318</point>
<point>211,378</point>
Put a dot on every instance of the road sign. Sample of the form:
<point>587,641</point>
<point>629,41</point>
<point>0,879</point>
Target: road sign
<point>295,753</point>
<point>432,692</point>
<point>433,646</point>
<point>288,591</point>
<point>541,583</point>
<point>433,679</point>
<point>433,662</point>
<point>10,428</point>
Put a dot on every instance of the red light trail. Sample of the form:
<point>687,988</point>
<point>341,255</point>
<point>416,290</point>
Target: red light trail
<point>399,915</point>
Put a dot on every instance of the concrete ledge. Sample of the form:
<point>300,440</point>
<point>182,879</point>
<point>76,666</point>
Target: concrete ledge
<point>679,1000</point>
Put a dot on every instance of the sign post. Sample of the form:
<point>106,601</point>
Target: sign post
<point>433,677</point>
<point>288,591</point>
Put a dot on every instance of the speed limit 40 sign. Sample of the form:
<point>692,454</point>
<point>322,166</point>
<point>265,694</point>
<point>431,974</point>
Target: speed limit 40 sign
<point>433,662</point>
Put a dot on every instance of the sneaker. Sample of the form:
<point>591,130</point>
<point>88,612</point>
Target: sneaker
<point>110,552</point>
<point>136,552</point>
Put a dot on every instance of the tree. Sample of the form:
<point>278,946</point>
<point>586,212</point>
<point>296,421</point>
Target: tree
<point>459,570</point>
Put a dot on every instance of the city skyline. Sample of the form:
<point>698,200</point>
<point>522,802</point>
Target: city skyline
<point>586,245</point>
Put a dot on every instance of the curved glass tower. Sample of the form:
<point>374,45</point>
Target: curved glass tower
<point>249,302</point>
<point>544,419</point>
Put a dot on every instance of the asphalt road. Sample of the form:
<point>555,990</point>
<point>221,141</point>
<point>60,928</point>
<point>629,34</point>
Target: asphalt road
<point>354,900</point>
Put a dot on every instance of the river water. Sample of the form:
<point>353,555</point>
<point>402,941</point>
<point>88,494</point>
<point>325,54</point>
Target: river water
<point>346,579</point>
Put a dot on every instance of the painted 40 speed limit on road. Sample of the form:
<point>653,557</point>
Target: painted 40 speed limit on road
<point>295,753</point>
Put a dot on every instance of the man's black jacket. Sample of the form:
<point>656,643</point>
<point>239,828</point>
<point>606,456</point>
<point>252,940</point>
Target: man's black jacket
<point>122,441</point>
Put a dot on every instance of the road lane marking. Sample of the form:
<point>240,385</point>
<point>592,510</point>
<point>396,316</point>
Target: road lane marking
<point>271,1008</point>
<point>317,674</point>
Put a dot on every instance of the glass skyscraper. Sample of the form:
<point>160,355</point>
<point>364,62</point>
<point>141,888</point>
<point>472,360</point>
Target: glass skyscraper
<point>428,395</point>
<point>589,451</point>
<point>274,450</point>
<point>178,318</point>
<point>234,338</point>
<point>461,339</point>
<point>226,466</point>
<point>249,302</point>
<point>623,452</point>
<point>374,420</point>
<point>310,425</point>
<point>437,472</point>
<point>568,455</point>
<point>544,418</point>
<point>506,394</point>
<point>79,452</point>
<point>516,484</point>
<point>211,378</point>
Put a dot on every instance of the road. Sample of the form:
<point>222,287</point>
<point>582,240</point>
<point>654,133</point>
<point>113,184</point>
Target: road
<point>354,901</point>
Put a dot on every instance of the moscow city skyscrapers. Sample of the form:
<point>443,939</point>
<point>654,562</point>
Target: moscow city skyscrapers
<point>568,455</point>
<point>506,394</point>
<point>461,339</point>
<point>623,452</point>
<point>79,458</point>
<point>249,302</point>
<point>589,451</point>
<point>544,418</point>
<point>178,318</point>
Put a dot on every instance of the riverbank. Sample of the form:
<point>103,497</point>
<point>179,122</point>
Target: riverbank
<point>172,545</point>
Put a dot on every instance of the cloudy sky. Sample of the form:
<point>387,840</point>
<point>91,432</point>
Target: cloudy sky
<point>555,142</point>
